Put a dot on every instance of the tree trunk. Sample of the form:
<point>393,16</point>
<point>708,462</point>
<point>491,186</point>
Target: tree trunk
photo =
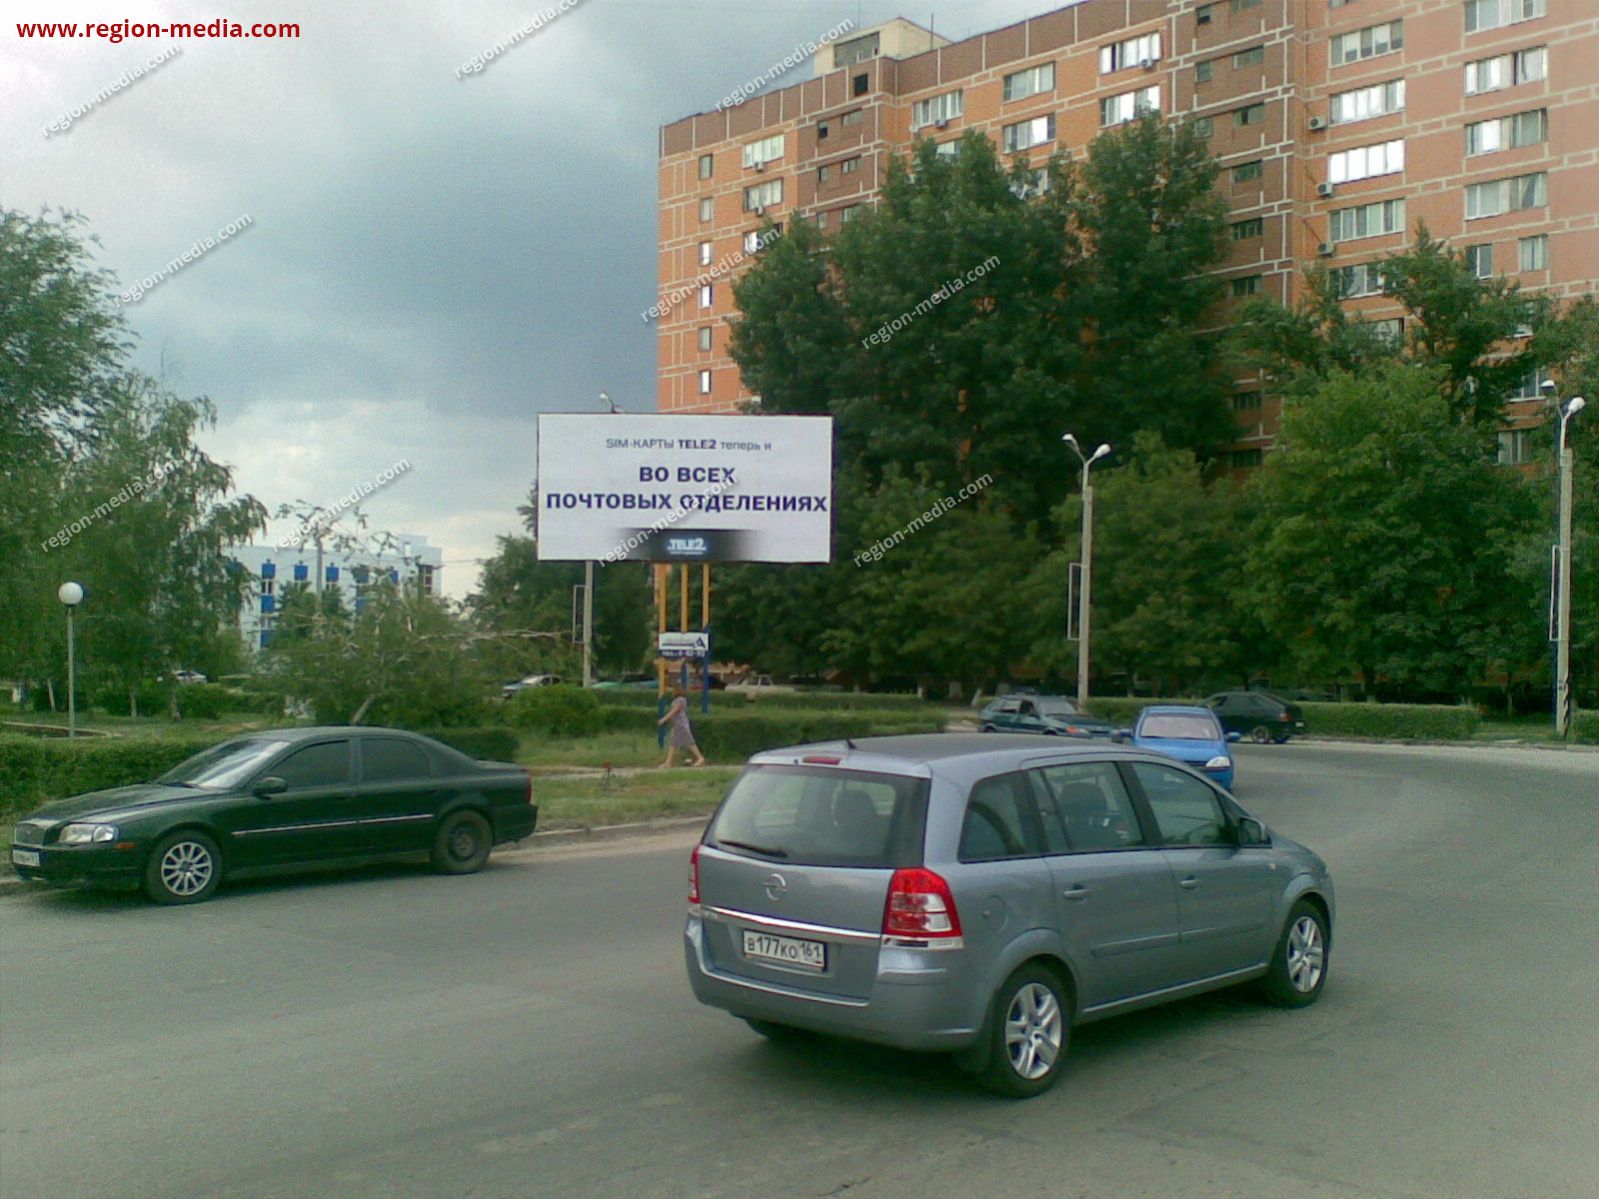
<point>133,700</point>
<point>360,713</point>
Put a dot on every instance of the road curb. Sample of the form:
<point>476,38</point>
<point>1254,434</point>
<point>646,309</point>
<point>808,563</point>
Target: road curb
<point>1508,743</point>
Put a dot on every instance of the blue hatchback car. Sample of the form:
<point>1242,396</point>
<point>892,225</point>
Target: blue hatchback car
<point>1191,735</point>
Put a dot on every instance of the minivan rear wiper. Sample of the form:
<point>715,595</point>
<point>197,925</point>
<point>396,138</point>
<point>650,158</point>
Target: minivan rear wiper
<point>764,850</point>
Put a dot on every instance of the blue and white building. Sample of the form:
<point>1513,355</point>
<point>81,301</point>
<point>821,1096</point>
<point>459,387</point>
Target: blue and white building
<point>274,570</point>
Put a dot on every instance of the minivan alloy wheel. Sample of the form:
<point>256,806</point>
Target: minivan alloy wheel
<point>1305,954</point>
<point>1033,1031</point>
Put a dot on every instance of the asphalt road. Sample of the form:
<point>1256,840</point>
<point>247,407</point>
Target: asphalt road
<point>528,1032</point>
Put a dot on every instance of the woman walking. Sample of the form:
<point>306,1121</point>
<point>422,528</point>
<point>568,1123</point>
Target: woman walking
<point>679,734</point>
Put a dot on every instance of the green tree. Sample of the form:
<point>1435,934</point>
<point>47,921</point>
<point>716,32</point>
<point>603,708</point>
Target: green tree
<point>1386,537</point>
<point>1167,575</point>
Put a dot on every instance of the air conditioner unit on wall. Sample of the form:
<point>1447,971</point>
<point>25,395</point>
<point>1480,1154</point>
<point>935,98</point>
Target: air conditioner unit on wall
<point>943,124</point>
<point>1318,123</point>
<point>1147,63</point>
<point>1325,249</point>
<point>1325,189</point>
<point>760,166</point>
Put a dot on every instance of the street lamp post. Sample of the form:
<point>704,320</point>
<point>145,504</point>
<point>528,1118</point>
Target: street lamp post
<point>1563,697</point>
<point>71,594</point>
<point>1084,596</point>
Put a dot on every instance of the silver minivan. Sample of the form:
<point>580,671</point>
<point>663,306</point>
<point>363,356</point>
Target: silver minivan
<point>982,895</point>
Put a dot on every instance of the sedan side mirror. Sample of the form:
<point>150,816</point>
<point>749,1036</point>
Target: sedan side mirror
<point>1235,736</point>
<point>1122,735</point>
<point>1252,832</point>
<point>270,785</point>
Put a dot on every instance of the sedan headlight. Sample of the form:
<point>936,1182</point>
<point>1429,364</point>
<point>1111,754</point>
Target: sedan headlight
<point>1219,762</point>
<point>87,834</point>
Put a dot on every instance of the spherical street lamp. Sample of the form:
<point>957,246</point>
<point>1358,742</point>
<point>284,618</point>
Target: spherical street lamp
<point>71,594</point>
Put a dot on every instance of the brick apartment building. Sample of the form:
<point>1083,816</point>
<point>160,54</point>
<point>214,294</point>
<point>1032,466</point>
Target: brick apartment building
<point>1339,125</point>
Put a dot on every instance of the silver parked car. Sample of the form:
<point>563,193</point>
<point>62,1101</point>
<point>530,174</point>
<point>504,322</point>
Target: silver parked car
<point>984,894</point>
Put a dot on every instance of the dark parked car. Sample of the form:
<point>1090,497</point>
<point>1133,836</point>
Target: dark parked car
<point>1054,715</point>
<point>287,797</point>
<point>1258,715</point>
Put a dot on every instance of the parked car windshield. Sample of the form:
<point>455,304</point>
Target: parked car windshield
<point>1178,728</point>
<point>223,766</point>
<point>812,816</point>
<point>1056,707</point>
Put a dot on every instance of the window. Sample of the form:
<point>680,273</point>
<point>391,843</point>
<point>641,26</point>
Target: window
<point>1390,330</point>
<point>705,383</point>
<point>768,149</point>
<point>1250,114</point>
<point>823,173</point>
<point>1246,285</point>
<point>1363,103</point>
<point>1114,110</point>
<point>1507,195</point>
<point>947,149</point>
<point>707,165</point>
<point>1248,401</point>
<point>1204,70</point>
<point>706,333</point>
<point>1365,162</point>
<point>1507,133</point>
<point>1186,810</point>
<point>849,166</point>
<point>757,240</point>
<point>1247,229</point>
<point>1242,5</point>
<point>1133,52</point>
<point>1507,70</point>
<point>1515,447</point>
<point>1530,387</point>
<point>1480,260</point>
<point>849,214</point>
<point>937,108</point>
<point>1025,134</point>
<point>1533,253</point>
<point>1034,183</point>
<point>1204,126</point>
<point>1251,57</point>
<point>1244,459</point>
<point>707,208</point>
<point>860,85</point>
<point>1244,172</point>
<point>1085,808</point>
<point>1366,220</point>
<point>707,295</point>
<point>821,220</point>
<point>1000,821</point>
<point>1368,42</point>
<point>762,194</point>
<point>385,758</point>
<point>847,54</point>
<point>705,253</point>
<point>853,117</point>
<point>1030,82</point>
<point>1361,279</point>
<point>821,130</point>
<point>1491,14</point>
<point>824,816</point>
<point>325,765</point>
<point>1204,14</point>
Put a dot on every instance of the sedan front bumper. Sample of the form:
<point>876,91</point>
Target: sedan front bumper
<point>77,865</point>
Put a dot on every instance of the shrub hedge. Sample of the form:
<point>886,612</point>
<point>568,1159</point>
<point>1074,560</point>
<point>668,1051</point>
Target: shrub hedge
<point>1585,726</point>
<point>489,743</point>
<point>561,711</point>
<point>734,736</point>
<point>813,701</point>
<point>1444,722</point>
<point>35,770</point>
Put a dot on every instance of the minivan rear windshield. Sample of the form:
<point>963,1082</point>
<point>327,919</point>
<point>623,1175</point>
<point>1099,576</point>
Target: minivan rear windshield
<point>813,816</point>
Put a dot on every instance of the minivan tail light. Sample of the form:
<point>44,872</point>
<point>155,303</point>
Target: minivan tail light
<point>694,877</point>
<point>920,907</point>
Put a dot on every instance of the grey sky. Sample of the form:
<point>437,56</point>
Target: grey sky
<point>430,261</point>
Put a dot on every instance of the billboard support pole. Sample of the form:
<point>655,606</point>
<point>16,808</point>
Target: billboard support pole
<point>662,579</point>
<point>705,623</point>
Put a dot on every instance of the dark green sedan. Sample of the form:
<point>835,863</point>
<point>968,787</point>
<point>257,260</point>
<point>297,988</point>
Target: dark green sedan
<point>284,798</point>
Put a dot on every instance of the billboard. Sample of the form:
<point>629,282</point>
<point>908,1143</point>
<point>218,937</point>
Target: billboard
<point>649,488</point>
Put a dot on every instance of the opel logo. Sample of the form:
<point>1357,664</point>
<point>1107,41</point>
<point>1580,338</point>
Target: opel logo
<point>775,887</point>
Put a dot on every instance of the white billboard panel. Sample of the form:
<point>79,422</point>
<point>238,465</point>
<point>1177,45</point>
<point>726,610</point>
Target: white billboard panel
<point>653,488</point>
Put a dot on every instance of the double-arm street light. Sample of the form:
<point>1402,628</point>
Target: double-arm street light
<point>1563,697</point>
<point>1085,592</point>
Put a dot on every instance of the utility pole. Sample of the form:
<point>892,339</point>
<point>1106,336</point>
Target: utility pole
<point>588,624</point>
